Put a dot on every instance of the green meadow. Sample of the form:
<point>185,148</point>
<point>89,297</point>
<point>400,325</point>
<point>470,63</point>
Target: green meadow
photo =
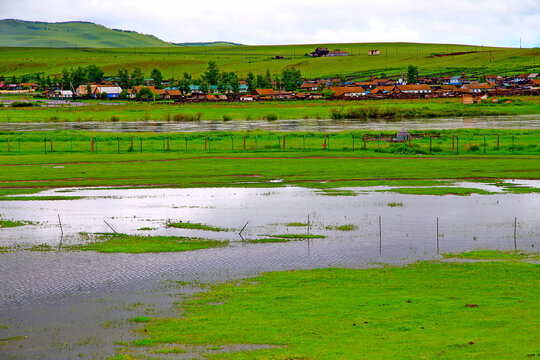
<point>427,310</point>
<point>300,159</point>
<point>432,59</point>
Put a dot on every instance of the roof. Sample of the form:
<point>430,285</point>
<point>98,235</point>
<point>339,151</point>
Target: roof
<point>476,86</point>
<point>341,90</point>
<point>264,91</point>
<point>173,92</point>
<point>418,87</point>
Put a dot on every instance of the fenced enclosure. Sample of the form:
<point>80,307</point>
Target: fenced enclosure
<point>419,143</point>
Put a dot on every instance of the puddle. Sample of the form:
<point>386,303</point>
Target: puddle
<point>318,125</point>
<point>57,294</point>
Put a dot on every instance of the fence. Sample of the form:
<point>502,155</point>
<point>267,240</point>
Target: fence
<point>287,142</point>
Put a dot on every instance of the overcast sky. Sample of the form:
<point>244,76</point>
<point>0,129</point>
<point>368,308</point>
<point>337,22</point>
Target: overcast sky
<point>475,22</point>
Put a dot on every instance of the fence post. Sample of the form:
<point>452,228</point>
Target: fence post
<point>430,145</point>
<point>284,142</point>
<point>92,144</point>
<point>168,143</point>
<point>206,144</point>
<point>51,145</point>
<point>118,142</point>
<point>232,143</point>
<point>497,141</point>
<point>353,143</point>
<point>484,145</point>
<point>132,144</point>
<point>186,144</point>
<point>244,142</point>
<point>453,140</point>
<point>457,145</point>
<point>45,145</point>
<point>279,142</point>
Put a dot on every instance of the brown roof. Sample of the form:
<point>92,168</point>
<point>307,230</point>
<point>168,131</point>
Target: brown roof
<point>264,91</point>
<point>174,92</point>
<point>341,90</point>
<point>417,87</point>
<point>477,86</point>
<point>138,88</point>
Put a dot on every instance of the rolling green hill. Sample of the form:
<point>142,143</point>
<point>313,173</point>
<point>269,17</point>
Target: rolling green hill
<point>19,33</point>
<point>213,43</point>
<point>431,59</point>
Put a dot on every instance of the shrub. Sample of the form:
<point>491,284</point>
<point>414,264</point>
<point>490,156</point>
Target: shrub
<point>22,104</point>
<point>271,117</point>
<point>472,147</point>
<point>227,118</point>
<point>114,118</point>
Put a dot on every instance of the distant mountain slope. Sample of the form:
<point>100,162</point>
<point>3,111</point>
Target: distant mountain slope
<point>214,43</point>
<point>19,33</point>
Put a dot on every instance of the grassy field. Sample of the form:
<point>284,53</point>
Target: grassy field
<point>426,310</point>
<point>388,109</point>
<point>432,59</point>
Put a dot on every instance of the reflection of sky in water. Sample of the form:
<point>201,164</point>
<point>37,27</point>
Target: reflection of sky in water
<point>408,233</point>
<point>322,125</point>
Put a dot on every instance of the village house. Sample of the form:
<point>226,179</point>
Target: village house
<point>324,52</point>
<point>476,88</point>
<point>348,92</point>
<point>135,90</point>
<point>414,89</point>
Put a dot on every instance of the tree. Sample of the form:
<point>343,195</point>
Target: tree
<point>94,74</point>
<point>187,76</point>
<point>145,94</point>
<point>412,74</point>
<point>203,85</point>
<point>123,94</point>
<point>383,76</point>
<point>24,79</point>
<point>291,79</point>
<point>137,77</point>
<point>66,78</point>
<point>184,86</point>
<point>78,76</point>
<point>157,77</point>
<point>212,73</point>
<point>48,80</point>
<point>124,80</point>
<point>268,78</point>
<point>88,91</point>
<point>14,80</point>
<point>251,82</point>
<point>234,83</point>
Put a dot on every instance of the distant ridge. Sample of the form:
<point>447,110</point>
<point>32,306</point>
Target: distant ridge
<point>213,43</point>
<point>70,34</point>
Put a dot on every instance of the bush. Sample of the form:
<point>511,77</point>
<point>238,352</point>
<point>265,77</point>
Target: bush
<point>227,118</point>
<point>187,117</point>
<point>123,95</point>
<point>436,149</point>
<point>114,118</point>
<point>472,147</point>
<point>22,104</point>
<point>271,117</point>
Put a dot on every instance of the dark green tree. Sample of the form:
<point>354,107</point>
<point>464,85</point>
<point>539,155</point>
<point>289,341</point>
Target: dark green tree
<point>234,83</point>
<point>78,76</point>
<point>412,74</point>
<point>124,81</point>
<point>291,79</point>
<point>24,79</point>
<point>66,78</point>
<point>184,86</point>
<point>212,73</point>
<point>187,76</point>
<point>94,74</point>
<point>88,91</point>
<point>157,77</point>
<point>48,80</point>
<point>251,82</point>
<point>137,77</point>
<point>145,94</point>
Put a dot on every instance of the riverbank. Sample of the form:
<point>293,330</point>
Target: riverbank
<point>272,110</point>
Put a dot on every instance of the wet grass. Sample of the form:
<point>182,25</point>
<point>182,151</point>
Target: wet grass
<point>134,244</point>
<point>395,204</point>
<point>345,227</point>
<point>515,255</point>
<point>299,236</point>
<point>194,226</point>
<point>39,198</point>
<point>141,319</point>
<point>337,192</point>
<point>477,310</point>
<point>11,223</point>
<point>439,191</point>
<point>266,241</point>
<point>296,224</point>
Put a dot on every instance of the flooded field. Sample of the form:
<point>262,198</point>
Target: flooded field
<point>319,125</point>
<point>66,297</point>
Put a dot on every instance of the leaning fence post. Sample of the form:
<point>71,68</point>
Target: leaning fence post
<point>437,234</point>
<point>515,232</point>
<point>380,235</point>
<point>498,141</point>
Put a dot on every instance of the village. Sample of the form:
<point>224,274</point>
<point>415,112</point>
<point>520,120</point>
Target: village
<point>213,86</point>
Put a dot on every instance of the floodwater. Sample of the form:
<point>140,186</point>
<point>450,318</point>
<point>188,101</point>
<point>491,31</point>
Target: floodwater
<point>317,125</point>
<point>67,297</point>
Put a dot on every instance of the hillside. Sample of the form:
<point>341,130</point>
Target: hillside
<point>18,33</point>
<point>213,43</point>
<point>431,59</point>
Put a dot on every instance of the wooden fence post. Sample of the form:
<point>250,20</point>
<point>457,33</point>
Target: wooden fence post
<point>51,145</point>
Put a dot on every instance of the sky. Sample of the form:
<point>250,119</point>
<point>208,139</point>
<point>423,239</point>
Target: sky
<point>256,22</point>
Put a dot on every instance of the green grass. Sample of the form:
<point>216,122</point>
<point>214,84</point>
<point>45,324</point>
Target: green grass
<point>299,236</point>
<point>337,192</point>
<point>266,240</point>
<point>194,226</point>
<point>440,191</point>
<point>141,319</point>
<point>134,244</point>
<point>427,310</point>
<point>394,58</point>
<point>296,224</point>
<point>494,255</point>
<point>395,204</point>
<point>392,110</point>
<point>11,223</point>
<point>345,227</point>
<point>39,198</point>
